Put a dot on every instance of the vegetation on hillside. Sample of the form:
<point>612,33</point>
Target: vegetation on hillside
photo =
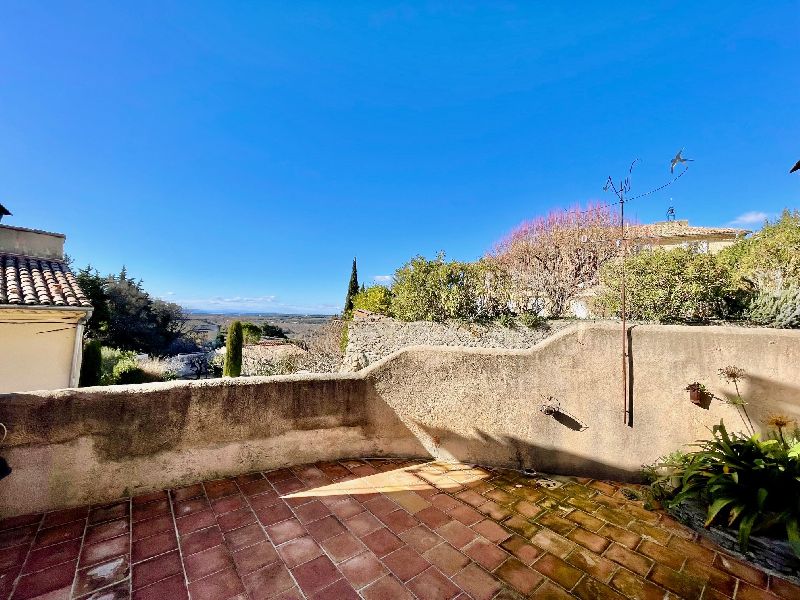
<point>438,290</point>
<point>320,353</point>
<point>126,316</point>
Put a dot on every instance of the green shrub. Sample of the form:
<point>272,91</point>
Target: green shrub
<point>670,285</point>
<point>745,482</point>
<point>438,290</point>
<point>233,351</point>
<point>268,330</point>
<point>770,258</point>
<point>507,321</point>
<point>92,365</point>
<point>777,309</point>
<point>376,298</point>
<point>251,333</point>
<point>128,371</point>
<point>343,338</point>
<point>110,358</point>
<point>532,320</point>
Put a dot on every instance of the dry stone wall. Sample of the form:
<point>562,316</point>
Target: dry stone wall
<point>371,337</point>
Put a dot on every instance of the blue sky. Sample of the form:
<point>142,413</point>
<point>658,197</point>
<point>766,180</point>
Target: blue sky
<point>238,155</point>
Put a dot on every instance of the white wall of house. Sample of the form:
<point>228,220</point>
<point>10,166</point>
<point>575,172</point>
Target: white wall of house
<point>39,348</point>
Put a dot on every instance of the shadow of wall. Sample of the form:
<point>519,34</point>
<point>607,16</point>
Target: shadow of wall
<point>91,445</point>
<point>485,406</point>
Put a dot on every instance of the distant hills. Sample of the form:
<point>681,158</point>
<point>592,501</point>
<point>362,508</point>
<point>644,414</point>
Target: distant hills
<point>229,313</point>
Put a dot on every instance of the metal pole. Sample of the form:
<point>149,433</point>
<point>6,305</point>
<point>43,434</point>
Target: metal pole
<point>624,329</point>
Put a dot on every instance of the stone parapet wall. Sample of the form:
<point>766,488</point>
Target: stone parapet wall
<point>80,446</point>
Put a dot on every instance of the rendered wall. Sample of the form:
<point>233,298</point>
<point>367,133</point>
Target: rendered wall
<point>485,405</point>
<point>73,447</point>
<point>36,348</point>
<point>31,242</point>
<point>87,445</point>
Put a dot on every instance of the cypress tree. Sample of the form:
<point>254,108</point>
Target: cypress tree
<point>91,367</point>
<point>233,351</point>
<point>352,289</point>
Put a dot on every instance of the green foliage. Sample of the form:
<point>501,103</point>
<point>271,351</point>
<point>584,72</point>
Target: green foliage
<point>268,330</point>
<point>128,371</point>
<point>125,316</point>
<point>94,287</point>
<point>508,321</point>
<point>109,359</point>
<point>745,482</point>
<point>343,338</point>
<point>670,285</point>
<point>532,320</point>
<point>122,366</point>
<point>92,364</point>
<point>438,290</point>
<point>233,351</point>
<point>352,289</point>
<point>777,309</point>
<point>251,333</point>
<point>376,298</point>
<point>770,258</point>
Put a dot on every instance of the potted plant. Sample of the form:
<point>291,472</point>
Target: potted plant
<point>698,393</point>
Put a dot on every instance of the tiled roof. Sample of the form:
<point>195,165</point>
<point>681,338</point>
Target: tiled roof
<point>30,281</point>
<point>672,229</point>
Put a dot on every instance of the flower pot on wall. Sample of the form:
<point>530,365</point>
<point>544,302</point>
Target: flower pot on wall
<point>698,395</point>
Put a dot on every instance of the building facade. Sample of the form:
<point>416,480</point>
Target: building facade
<point>42,313</point>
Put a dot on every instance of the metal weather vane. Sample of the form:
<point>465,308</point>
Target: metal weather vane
<point>678,160</point>
<point>621,191</point>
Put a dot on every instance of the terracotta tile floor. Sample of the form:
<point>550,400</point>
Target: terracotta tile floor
<point>372,529</point>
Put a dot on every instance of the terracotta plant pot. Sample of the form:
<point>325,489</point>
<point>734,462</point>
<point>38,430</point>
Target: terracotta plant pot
<point>699,397</point>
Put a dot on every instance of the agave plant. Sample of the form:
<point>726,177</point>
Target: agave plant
<point>746,482</point>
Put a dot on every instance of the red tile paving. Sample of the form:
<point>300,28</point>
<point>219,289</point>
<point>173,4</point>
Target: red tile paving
<point>377,529</point>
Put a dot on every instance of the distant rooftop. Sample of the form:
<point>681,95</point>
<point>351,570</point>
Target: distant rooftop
<point>682,229</point>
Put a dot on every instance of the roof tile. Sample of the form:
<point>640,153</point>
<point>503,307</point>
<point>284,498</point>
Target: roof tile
<point>38,282</point>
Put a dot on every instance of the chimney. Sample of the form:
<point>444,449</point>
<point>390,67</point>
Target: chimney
<point>31,242</point>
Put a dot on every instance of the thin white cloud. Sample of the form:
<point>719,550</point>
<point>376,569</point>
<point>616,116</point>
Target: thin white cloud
<point>753,217</point>
<point>383,278</point>
<point>252,304</point>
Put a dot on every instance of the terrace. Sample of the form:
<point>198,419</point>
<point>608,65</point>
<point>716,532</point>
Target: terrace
<point>245,488</point>
<point>374,529</point>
